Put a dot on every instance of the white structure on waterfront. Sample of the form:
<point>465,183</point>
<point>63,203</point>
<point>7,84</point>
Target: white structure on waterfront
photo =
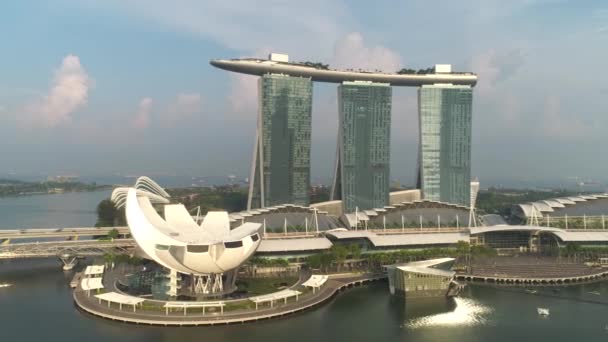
<point>211,252</point>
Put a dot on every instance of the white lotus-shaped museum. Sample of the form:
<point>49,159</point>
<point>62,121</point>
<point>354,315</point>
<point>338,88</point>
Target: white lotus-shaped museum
<point>175,241</point>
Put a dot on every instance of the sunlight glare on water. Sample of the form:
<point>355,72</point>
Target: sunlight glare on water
<point>468,312</point>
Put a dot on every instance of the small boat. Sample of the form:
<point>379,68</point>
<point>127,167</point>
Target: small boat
<point>531,291</point>
<point>594,293</point>
<point>5,285</point>
<point>543,311</point>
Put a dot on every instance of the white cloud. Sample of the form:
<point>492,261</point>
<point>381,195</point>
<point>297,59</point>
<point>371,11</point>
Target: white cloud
<point>186,104</point>
<point>244,25</point>
<point>556,125</point>
<point>351,52</point>
<point>494,66</point>
<point>142,117</point>
<point>68,93</point>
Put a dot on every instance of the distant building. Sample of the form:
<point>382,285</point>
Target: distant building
<point>62,179</point>
<point>281,162</point>
<point>444,159</point>
<point>363,162</point>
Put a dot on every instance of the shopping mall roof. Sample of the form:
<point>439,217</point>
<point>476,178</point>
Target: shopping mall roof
<point>591,204</point>
<point>564,235</point>
<point>294,245</point>
<point>405,239</point>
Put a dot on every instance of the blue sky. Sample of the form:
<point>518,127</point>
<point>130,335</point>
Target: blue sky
<point>106,87</point>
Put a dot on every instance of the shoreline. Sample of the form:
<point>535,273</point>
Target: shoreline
<point>90,306</point>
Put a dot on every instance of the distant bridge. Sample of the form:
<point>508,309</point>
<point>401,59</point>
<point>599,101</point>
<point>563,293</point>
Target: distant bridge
<point>30,233</point>
<point>62,243</point>
<point>62,248</point>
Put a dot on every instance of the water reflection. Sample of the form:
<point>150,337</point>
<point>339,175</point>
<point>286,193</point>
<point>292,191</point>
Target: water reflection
<point>466,312</point>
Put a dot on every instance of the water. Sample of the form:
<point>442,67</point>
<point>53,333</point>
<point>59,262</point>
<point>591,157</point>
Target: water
<point>76,209</point>
<point>38,305</point>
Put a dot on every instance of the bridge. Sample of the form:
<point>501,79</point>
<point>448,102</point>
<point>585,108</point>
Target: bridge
<point>63,243</point>
<point>33,233</point>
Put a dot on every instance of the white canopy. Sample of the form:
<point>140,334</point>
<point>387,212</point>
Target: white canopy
<point>89,284</point>
<point>271,297</point>
<point>119,298</point>
<point>94,270</point>
<point>315,281</point>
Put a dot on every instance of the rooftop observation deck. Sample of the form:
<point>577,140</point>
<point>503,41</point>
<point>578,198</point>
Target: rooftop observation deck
<point>258,67</point>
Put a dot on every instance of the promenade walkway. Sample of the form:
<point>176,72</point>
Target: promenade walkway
<point>532,271</point>
<point>160,317</point>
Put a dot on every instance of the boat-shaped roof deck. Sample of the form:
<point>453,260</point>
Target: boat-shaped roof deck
<point>260,67</point>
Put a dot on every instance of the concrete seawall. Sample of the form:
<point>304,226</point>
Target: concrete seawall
<point>333,286</point>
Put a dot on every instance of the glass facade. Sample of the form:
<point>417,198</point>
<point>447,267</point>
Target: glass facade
<point>445,116</point>
<point>281,170</point>
<point>362,172</point>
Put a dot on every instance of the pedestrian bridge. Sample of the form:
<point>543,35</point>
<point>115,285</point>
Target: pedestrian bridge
<point>7,234</point>
<point>67,244</point>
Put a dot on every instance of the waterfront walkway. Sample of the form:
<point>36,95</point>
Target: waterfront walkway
<point>532,271</point>
<point>159,317</point>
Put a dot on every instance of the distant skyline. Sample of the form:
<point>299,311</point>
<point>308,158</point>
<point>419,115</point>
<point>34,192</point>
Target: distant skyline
<point>115,87</point>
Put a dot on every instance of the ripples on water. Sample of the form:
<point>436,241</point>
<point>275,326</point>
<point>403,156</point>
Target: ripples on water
<point>468,312</point>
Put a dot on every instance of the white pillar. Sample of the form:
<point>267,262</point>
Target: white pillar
<point>584,221</point>
<point>420,216</point>
<point>264,226</point>
<point>457,222</point>
<point>384,222</point>
<point>306,224</point>
<point>285,226</point>
<point>402,224</point>
<point>439,222</point>
<point>566,216</point>
<point>316,221</point>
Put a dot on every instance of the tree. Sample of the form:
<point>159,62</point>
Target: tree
<point>354,250</point>
<point>463,248</point>
<point>338,254</point>
<point>106,213</point>
<point>572,249</point>
<point>113,234</point>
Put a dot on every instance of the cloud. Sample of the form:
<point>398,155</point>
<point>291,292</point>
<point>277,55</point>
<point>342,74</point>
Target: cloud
<point>241,24</point>
<point>142,117</point>
<point>556,125</point>
<point>351,52</point>
<point>243,95</point>
<point>68,93</point>
<point>495,66</point>
<point>186,104</point>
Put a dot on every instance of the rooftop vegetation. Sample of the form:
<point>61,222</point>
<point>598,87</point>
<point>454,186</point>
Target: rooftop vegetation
<point>316,65</point>
<point>406,71</point>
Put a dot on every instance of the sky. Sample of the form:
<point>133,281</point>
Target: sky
<point>96,87</point>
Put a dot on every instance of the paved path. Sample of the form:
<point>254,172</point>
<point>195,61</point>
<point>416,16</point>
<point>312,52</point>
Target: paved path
<point>331,287</point>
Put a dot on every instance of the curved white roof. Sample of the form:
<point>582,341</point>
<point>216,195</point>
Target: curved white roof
<point>564,235</point>
<point>178,243</point>
<point>553,203</point>
<point>577,199</point>
<point>542,207</point>
<point>119,197</point>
